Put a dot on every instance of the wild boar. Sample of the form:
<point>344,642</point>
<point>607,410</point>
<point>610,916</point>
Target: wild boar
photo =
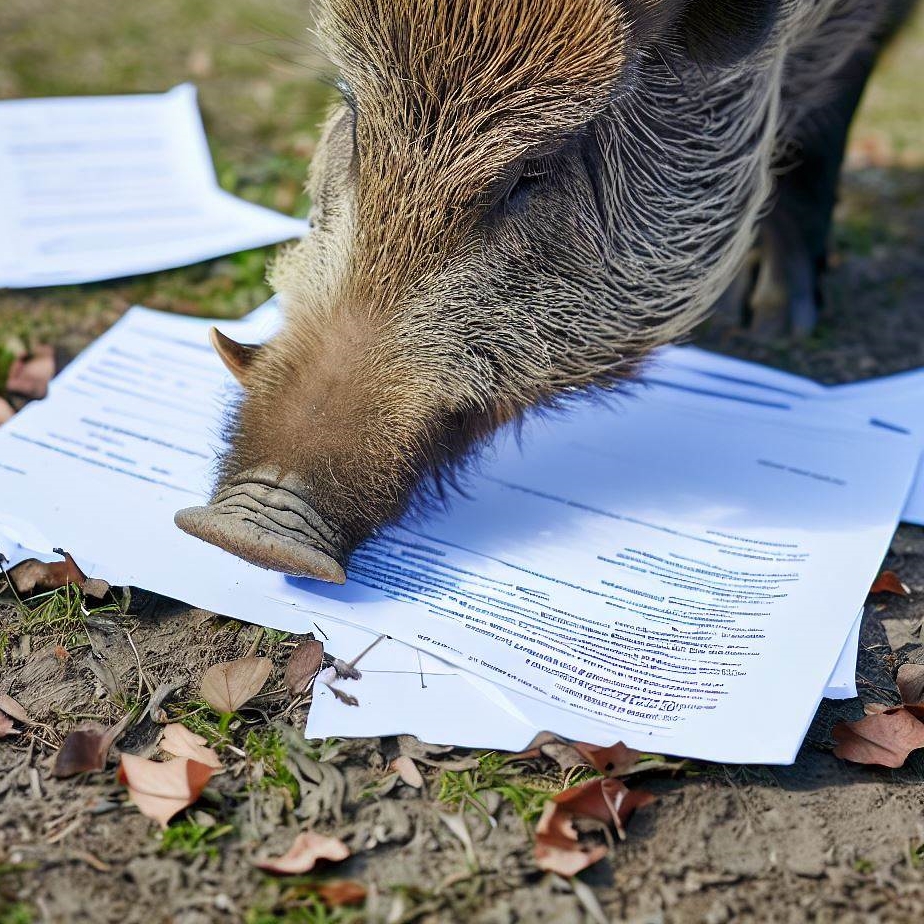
<point>516,201</point>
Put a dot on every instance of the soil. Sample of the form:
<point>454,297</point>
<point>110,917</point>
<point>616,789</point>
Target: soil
<point>822,840</point>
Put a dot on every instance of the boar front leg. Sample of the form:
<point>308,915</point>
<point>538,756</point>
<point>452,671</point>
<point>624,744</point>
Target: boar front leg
<point>780,290</point>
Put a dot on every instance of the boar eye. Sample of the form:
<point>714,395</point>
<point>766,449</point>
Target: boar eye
<point>530,178</point>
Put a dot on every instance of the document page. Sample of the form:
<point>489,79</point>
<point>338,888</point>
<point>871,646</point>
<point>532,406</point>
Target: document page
<point>675,570</point>
<point>99,187</point>
<point>897,400</point>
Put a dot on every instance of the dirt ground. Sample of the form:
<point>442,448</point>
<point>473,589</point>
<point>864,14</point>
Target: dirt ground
<point>819,841</point>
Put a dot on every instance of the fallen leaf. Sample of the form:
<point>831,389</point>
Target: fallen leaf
<point>160,789</point>
<point>303,666</point>
<point>889,582</point>
<point>876,708</point>
<point>340,892</point>
<point>179,741</point>
<point>226,687</point>
<point>96,588</point>
<point>885,739</point>
<point>61,653</point>
<point>6,726</point>
<point>607,800</point>
<point>910,681</point>
<point>558,849</point>
<point>86,748</point>
<point>611,761</point>
<point>455,821</point>
<point>14,710</point>
<point>306,850</point>
<point>33,576</point>
<point>534,748</point>
<point>29,375</point>
<point>407,770</point>
<point>6,411</point>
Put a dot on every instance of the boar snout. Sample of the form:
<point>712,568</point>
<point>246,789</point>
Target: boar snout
<point>264,519</point>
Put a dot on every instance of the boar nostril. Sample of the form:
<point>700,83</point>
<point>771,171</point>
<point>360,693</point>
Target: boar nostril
<point>268,526</point>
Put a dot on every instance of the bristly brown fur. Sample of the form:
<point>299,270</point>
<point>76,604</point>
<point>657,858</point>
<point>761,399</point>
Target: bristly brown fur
<point>520,199</point>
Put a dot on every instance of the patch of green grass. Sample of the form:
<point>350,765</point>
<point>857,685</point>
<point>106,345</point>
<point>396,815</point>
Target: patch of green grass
<point>267,747</point>
<point>17,913</point>
<point>322,749</point>
<point>56,614</point>
<point>193,839</point>
<point>199,717</point>
<point>310,911</point>
<point>275,637</point>
<point>863,866</point>
<point>494,774</point>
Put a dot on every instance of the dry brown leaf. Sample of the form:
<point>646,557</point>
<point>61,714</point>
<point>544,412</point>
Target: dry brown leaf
<point>14,710</point>
<point>407,770</point>
<point>96,588</point>
<point>608,800</point>
<point>303,666</point>
<point>910,681</point>
<point>876,708</point>
<point>29,375</point>
<point>228,686</point>
<point>534,748</point>
<point>179,741</point>
<point>558,849</point>
<point>305,851</point>
<point>85,749</point>
<point>339,892</point>
<point>611,761</point>
<point>61,653</point>
<point>884,739</point>
<point>6,726</point>
<point>34,577</point>
<point>890,583</point>
<point>160,789</point>
<point>6,411</point>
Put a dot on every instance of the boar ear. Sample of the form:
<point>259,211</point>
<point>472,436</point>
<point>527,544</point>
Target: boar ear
<point>712,32</point>
<point>237,357</point>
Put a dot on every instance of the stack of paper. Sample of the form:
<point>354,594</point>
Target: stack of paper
<point>100,187</point>
<point>680,568</point>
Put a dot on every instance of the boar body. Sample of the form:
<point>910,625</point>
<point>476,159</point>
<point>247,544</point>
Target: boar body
<point>516,201</point>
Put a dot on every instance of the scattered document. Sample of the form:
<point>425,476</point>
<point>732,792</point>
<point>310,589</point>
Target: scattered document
<point>100,187</point>
<point>680,570</point>
<point>899,401</point>
<point>892,401</point>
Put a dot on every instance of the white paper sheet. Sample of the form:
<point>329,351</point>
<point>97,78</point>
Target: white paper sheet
<point>127,437</point>
<point>596,575</point>
<point>100,187</point>
<point>897,400</point>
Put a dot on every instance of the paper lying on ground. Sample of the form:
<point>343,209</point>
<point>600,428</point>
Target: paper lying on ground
<point>99,187</point>
<point>693,564</point>
<point>895,400</point>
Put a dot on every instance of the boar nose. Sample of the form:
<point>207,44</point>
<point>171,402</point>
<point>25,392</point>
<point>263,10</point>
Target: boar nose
<point>265,519</point>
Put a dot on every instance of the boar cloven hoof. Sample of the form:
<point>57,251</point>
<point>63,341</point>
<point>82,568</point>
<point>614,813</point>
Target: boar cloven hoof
<point>264,521</point>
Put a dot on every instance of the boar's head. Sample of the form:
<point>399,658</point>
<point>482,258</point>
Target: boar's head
<point>476,250</point>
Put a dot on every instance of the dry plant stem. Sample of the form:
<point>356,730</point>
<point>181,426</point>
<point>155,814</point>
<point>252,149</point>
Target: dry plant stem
<point>142,680</point>
<point>255,644</point>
